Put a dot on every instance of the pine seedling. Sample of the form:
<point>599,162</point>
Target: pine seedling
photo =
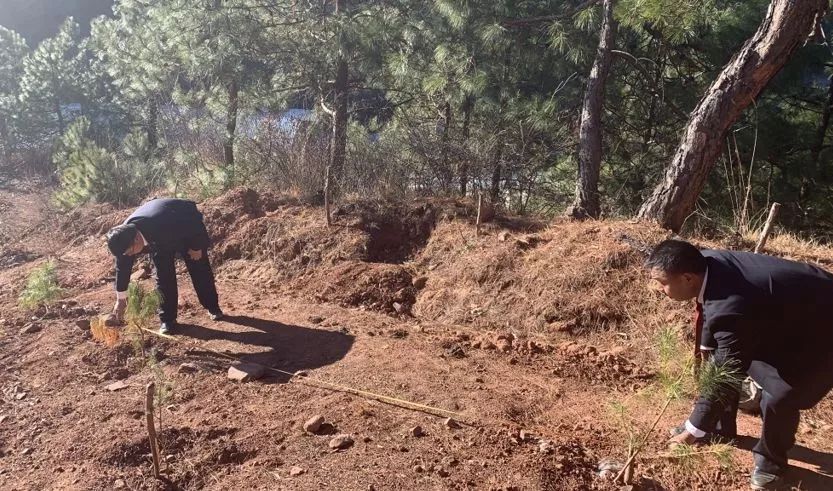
<point>41,287</point>
<point>141,307</point>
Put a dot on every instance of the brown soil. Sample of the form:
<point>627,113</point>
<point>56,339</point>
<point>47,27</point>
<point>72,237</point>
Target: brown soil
<point>529,332</point>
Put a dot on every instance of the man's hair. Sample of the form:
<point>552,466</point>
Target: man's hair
<point>120,238</point>
<point>676,257</point>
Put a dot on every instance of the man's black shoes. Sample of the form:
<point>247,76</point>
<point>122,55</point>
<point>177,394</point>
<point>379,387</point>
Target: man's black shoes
<point>167,327</point>
<point>216,315</point>
<point>761,480</point>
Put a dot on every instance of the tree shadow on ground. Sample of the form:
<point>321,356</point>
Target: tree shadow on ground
<point>289,348</point>
<point>818,476</point>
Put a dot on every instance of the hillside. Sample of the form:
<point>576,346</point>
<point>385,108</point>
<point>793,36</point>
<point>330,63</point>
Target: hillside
<point>527,333</point>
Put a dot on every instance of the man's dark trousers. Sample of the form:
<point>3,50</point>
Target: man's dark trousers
<point>780,410</point>
<point>201,276</point>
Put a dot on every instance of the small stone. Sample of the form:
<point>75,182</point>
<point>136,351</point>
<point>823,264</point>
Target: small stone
<point>398,307</point>
<point>83,324</point>
<point>3,418</point>
<point>119,484</point>
<point>524,436</point>
<point>116,386</point>
<point>504,345</point>
<point>442,472</point>
<point>419,282</point>
<point>245,372</point>
<point>546,447</point>
<point>313,424</point>
<point>341,442</point>
<point>316,319</point>
<point>20,396</point>
<point>419,469</point>
<point>31,328</point>
<point>488,345</point>
<point>451,424</point>
<point>456,351</point>
<point>296,471</point>
<point>503,236</point>
<point>26,451</point>
<point>188,368</point>
<point>417,431</point>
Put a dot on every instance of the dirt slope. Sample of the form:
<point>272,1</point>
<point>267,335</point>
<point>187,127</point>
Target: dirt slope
<point>529,332</point>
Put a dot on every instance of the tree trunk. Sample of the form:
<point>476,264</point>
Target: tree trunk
<point>338,148</point>
<point>445,172</point>
<point>231,127</point>
<point>6,138</point>
<point>468,107</point>
<point>586,204</point>
<point>151,125</point>
<point>821,133</point>
<point>497,170</point>
<point>783,30</point>
<point>60,115</point>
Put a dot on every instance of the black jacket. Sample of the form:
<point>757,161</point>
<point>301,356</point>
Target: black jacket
<point>768,316</point>
<point>169,226</point>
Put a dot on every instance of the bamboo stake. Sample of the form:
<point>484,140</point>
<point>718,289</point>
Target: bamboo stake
<point>154,444</point>
<point>773,212</point>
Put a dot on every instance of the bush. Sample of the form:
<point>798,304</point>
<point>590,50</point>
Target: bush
<point>89,172</point>
<point>41,287</point>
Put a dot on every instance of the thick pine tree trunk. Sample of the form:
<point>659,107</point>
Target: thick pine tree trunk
<point>784,29</point>
<point>231,127</point>
<point>586,204</point>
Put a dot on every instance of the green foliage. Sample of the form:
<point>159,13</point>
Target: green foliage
<point>142,305</point>
<point>456,95</point>
<point>13,51</point>
<point>89,172</point>
<point>41,287</point>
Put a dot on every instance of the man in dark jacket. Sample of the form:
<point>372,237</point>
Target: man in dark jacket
<point>165,228</point>
<point>764,316</point>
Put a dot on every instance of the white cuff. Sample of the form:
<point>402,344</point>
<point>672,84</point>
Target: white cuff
<point>121,295</point>
<point>706,348</point>
<point>696,433</point>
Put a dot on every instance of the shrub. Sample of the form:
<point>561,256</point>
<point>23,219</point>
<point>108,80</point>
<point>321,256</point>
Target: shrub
<point>41,287</point>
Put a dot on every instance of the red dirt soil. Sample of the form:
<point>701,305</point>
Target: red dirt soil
<point>529,332</point>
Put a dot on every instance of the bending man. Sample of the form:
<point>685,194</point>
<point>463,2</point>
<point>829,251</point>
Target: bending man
<point>165,228</point>
<point>764,316</point>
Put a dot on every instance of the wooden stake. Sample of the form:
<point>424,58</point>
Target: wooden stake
<point>154,443</point>
<point>773,212</point>
<point>479,212</point>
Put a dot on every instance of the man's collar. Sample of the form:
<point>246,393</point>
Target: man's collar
<point>703,288</point>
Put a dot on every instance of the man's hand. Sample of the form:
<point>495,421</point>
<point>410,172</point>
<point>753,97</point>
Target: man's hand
<point>684,438</point>
<point>117,317</point>
<point>195,254</point>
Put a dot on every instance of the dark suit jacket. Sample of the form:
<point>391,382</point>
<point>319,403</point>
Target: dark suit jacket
<point>169,225</point>
<point>771,317</point>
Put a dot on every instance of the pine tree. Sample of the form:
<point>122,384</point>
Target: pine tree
<point>13,50</point>
<point>52,80</point>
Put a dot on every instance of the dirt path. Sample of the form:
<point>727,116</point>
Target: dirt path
<point>538,415</point>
